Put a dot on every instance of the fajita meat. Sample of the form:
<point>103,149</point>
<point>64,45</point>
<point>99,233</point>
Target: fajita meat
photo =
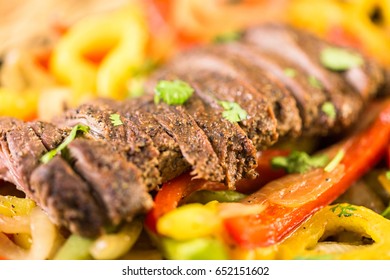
<point>105,176</point>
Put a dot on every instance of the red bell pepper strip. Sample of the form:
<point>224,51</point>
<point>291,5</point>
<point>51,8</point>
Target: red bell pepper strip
<point>172,192</point>
<point>362,152</point>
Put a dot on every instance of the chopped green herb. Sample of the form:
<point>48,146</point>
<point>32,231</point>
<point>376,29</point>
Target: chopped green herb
<point>72,135</point>
<point>335,161</point>
<point>227,37</point>
<point>329,109</point>
<point>346,210</point>
<point>338,59</point>
<point>386,213</point>
<point>299,162</point>
<point>232,111</point>
<point>174,92</point>
<point>314,82</point>
<point>290,72</point>
<point>116,119</point>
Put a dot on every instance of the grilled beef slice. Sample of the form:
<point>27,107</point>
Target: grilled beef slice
<point>309,98</point>
<point>283,103</point>
<point>127,138</point>
<point>21,150</point>
<point>116,182</point>
<point>305,48</point>
<point>214,86</point>
<point>171,162</point>
<point>286,43</point>
<point>193,142</point>
<point>67,198</point>
<point>234,149</point>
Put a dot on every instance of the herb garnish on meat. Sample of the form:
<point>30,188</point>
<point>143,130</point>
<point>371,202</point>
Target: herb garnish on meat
<point>174,92</point>
<point>329,109</point>
<point>227,37</point>
<point>72,135</point>
<point>290,72</point>
<point>116,119</point>
<point>338,59</point>
<point>314,82</point>
<point>232,111</point>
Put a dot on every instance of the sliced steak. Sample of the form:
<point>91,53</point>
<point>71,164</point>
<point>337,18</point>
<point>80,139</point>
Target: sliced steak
<point>127,137</point>
<point>21,150</point>
<point>50,135</point>
<point>193,142</point>
<point>214,86</point>
<point>171,162</point>
<point>67,198</point>
<point>288,44</point>
<point>309,98</point>
<point>282,101</point>
<point>115,181</point>
<point>234,149</point>
<point>7,124</point>
<point>305,48</point>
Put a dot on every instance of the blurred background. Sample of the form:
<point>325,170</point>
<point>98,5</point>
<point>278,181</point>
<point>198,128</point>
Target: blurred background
<point>56,54</point>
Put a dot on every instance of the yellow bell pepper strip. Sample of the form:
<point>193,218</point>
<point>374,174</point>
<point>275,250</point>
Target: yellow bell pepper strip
<point>306,242</point>
<point>119,39</point>
<point>22,105</point>
<point>280,217</point>
<point>363,23</point>
<point>14,206</point>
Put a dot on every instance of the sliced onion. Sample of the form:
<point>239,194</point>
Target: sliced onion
<point>16,224</point>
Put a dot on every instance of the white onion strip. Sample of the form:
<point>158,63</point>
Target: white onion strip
<point>16,224</point>
<point>43,233</point>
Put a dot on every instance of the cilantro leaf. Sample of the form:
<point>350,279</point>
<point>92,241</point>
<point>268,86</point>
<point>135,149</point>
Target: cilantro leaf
<point>386,212</point>
<point>329,109</point>
<point>314,82</point>
<point>232,111</point>
<point>72,135</point>
<point>116,119</point>
<point>290,72</point>
<point>174,92</point>
<point>335,161</point>
<point>339,59</point>
<point>299,162</point>
<point>227,37</point>
<point>346,210</point>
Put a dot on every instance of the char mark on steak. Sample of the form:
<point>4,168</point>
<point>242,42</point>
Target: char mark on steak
<point>193,142</point>
<point>219,83</point>
<point>171,162</point>
<point>67,199</point>
<point>303,49</point>
<point>127,138</point>
<point>115,181</point>
<point>235,151</point>
<point>309,97</point>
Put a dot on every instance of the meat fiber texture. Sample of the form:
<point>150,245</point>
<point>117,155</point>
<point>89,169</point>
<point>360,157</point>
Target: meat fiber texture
<point>105,176</point>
